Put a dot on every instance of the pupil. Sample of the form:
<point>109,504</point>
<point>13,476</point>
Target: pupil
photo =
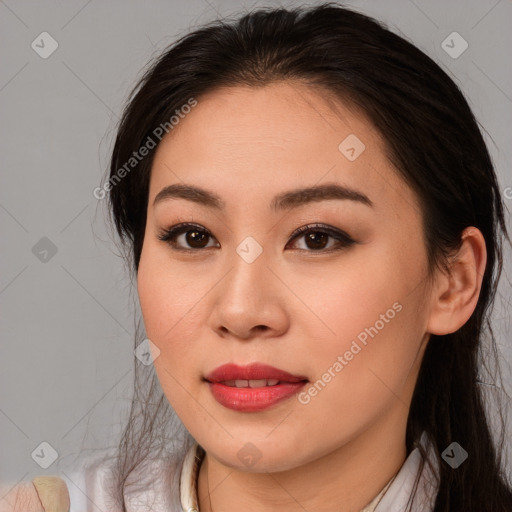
<point>318,239</point>
<point>196,239</point>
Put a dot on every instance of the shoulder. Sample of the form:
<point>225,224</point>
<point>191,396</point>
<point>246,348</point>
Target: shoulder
<point>42,494</point>
<point>152,485</point>
<point>90,479</point>
<point>80,483</point>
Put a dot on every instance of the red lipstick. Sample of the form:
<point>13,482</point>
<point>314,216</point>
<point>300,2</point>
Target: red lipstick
<point>252,388</point>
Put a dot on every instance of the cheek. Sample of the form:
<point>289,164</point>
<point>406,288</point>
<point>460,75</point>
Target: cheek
<point>167,302</point>
<point>167,292</point>
<point>174,302</point>
<point>345,305</point>
<point>370,324</point>
<point>168,313</point>
<point>363,372</point>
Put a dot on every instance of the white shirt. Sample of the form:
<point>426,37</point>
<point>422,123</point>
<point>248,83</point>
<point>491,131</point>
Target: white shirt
<point>166,485</point>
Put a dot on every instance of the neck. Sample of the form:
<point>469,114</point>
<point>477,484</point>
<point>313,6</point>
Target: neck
<point>346,479</point>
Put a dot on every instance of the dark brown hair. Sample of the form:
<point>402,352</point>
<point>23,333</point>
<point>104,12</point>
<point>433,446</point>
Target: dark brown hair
<point>435,143</point>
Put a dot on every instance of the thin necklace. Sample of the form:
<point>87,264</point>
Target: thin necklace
<point>208,485</point>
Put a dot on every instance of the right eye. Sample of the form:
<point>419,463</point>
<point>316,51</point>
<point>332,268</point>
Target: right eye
<point>192,234</point>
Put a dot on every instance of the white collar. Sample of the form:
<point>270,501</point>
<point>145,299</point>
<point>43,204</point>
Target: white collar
<point>188,479</point>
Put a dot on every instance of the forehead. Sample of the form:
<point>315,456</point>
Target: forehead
<point>254,141</point>
<point>279,116</point>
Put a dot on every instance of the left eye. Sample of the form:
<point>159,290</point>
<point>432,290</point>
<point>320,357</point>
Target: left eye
<point>316,238</point>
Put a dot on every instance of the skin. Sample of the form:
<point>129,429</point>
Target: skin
<point>206,308</point>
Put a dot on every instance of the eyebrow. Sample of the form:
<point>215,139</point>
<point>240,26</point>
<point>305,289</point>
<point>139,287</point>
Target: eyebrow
<point>284,201</point>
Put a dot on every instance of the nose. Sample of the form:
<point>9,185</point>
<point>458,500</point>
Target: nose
<point>249,301</point>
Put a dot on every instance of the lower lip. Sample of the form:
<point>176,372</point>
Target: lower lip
<point>253,399</point>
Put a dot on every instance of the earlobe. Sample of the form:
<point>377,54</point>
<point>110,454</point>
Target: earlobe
<point>455,294</point>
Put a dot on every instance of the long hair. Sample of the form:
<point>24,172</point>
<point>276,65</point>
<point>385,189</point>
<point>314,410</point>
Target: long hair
<point>435,144</point>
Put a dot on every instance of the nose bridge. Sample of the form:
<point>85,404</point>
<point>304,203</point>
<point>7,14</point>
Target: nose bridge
<point>247,278</point>
<point>246,298</point>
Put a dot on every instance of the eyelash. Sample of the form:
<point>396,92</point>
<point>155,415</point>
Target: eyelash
<point>344,241</point>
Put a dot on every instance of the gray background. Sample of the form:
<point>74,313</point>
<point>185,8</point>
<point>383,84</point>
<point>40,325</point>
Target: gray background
<point>67,323</point>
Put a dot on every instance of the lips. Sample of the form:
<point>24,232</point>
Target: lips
<point>254,371</point>
<point>252,388</point>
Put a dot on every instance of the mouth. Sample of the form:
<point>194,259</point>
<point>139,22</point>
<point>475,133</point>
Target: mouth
<point>254,387</point>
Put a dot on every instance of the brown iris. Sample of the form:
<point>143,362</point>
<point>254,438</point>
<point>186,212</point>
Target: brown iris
<point>318,240</point>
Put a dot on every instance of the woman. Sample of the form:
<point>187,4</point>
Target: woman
<point>315,225</point>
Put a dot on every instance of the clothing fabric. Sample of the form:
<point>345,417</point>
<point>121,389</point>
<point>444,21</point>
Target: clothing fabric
<point>170,485</point>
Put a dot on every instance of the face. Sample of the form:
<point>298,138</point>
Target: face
<point>340,306</point>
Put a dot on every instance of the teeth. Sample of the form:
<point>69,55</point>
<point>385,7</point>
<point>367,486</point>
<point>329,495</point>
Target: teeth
<point>255,383</point>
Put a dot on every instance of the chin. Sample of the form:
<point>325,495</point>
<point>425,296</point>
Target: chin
<point>258,455</point>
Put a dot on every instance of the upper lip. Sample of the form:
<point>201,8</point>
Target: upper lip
<point>253,371</point>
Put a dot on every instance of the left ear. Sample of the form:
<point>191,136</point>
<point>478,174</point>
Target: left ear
<point>455,294</point>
